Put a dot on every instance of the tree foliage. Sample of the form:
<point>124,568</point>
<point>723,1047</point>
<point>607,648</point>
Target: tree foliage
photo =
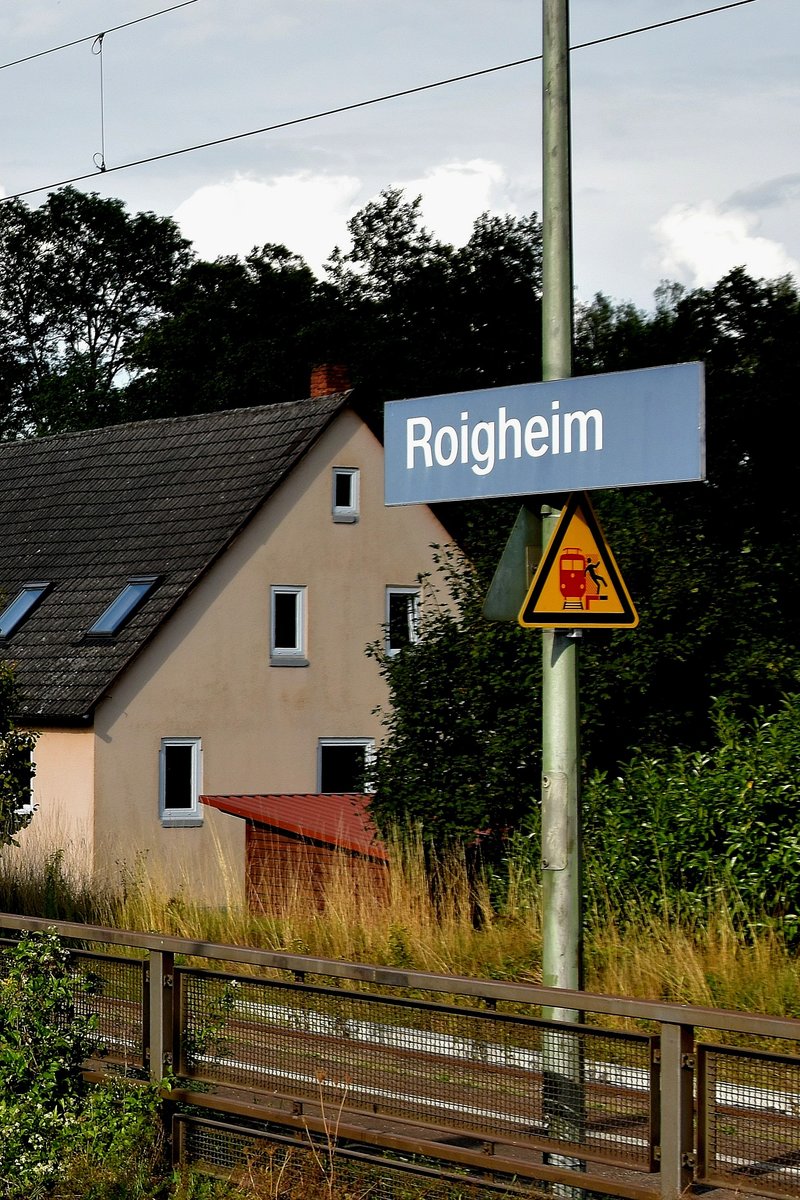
<point>16,769</point>
<point>415,316</point>
<point>460,757</point>
<point>710,566</point>
<point>80,280</point>
<point>231,333</point>
<point>106,316</point>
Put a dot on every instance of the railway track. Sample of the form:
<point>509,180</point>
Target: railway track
<point>441,1079</point>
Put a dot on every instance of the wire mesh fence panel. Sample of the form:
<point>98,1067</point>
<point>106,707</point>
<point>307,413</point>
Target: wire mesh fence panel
<point>749,1120</point>
<point>505,1077</point>
<point>279,1166</point>
<point>463,1072</point>
<point>116,998</point>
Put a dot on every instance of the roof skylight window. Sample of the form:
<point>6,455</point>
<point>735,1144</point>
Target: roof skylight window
<point>135,592</point>
<point>20,607</point>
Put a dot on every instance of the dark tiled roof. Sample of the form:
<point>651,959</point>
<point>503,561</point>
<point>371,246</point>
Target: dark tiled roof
<point>336,818</point>
<point>87,510</point>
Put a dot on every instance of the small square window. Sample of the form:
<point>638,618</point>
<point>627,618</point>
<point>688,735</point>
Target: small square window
<point>345,495</point>
<point>344,764</point>
<point>402,618</point>
<point>180,781</point>
<point>288,626</point>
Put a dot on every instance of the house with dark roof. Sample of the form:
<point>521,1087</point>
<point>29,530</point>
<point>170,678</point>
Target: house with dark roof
<point>188,602</point>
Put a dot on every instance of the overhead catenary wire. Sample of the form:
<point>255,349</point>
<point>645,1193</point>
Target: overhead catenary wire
<point>344,108</point>
<point>92,37</point>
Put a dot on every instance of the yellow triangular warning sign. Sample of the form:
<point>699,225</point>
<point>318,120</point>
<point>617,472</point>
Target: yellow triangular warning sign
<point>578,584</point>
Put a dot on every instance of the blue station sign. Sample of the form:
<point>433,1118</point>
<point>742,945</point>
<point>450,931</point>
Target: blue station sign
<point>623,429</point>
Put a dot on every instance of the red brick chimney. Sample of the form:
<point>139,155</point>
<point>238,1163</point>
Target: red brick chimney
<point>328,378</point>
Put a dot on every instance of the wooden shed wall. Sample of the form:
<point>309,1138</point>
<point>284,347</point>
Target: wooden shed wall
<point>282,867</point>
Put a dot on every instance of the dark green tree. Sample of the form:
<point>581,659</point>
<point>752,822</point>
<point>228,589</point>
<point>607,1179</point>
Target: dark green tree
<point>710,565</point>
<point>106,317</point>
<point>499,273</point>
<point>461,751</point>
<point>388,298</point>
<point>415,316</point>
<point>233,333</point>
<point>80,279</point>
<point>16,769</point>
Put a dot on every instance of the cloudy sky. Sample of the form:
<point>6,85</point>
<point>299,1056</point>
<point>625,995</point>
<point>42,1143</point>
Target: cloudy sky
<point>686,159</point>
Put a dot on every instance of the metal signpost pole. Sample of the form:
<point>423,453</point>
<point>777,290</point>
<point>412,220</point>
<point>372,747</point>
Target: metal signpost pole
<point>625,429</point>
<point>561,836</point>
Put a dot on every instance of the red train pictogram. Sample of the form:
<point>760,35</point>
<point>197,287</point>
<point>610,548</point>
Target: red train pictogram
<point>572,576</point>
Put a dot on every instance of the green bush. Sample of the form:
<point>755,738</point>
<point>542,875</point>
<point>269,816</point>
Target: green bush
<point>59,1138</point>
<point>43,1043</point>
<point>117,1151</point>
<point>16,769</point>
<point>693,823</point>
<point>457,759</point>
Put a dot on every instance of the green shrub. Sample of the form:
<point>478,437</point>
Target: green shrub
<point>16,769</point>
<point>689,825</point>
<point>117,1151</point>
<point>60,1138</point>
<point>43,1043</point>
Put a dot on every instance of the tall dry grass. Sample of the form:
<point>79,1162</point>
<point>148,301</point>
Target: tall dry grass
<point>716,959</point>
<point>421,913</point>
<point>428,915</point>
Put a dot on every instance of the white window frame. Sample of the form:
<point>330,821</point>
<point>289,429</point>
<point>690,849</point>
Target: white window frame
<point>346,514</point>
<point>181,817</point>
<point>414,592</point>
<point>368,745</point>
<point>296,655</point>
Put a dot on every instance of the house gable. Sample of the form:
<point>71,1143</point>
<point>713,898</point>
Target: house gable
<point>204,680</point>
<point>208,673</point>
<point>87,513</point>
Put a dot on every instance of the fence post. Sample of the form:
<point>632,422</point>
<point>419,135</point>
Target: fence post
<point>677,1110</point>
<point>161,971</point>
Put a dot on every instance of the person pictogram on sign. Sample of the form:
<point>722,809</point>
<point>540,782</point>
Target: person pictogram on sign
<point>591,570</point>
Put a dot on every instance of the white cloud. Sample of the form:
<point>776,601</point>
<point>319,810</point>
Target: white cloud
<point>303,211</point>
<point>455,193</point>
<point>308,212</point>
<point>701,243</point>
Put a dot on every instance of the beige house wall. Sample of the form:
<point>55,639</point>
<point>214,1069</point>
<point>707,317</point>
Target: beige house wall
<point>207,673</point>
<point>63,790</point>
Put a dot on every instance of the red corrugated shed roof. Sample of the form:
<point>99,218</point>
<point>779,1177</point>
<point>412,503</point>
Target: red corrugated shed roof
<point>339,818</point>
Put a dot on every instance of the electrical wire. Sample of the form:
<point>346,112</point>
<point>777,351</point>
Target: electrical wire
<point>330,112</point>
<point>707,12</point>
<point>91,37</point>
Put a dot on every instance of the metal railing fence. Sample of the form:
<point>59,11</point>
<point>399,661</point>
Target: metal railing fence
<point>442,1075</point>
